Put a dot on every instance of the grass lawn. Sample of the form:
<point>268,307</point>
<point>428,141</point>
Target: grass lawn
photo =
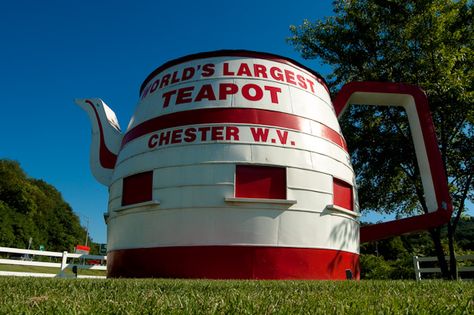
<point>37,269</point>
<point>144,296</point>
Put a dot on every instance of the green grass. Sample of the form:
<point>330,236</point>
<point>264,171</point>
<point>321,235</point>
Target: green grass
<point>145,296</point>
<point>37,269</point>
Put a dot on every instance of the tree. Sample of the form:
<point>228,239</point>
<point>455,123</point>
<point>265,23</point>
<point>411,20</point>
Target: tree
<point>7,235</point>
<point>31,208</point>
<point>393,258</point>
<point>428,43</point>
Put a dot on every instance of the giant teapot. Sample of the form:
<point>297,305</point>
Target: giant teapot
<point>234,166</point>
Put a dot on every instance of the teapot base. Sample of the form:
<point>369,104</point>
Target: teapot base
<point>232,262</point>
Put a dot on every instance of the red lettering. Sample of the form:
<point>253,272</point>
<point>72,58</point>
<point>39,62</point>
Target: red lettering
<point>164,138</point>
<point>226,71</point>
<point>206,92</point>
<point>232,133</point>
<point>153,141</point>
<point>190,135</point>
<point>227,89</point>
<point>145,92</point>
<point>165,80</point>
<point>282,135</point>
<point>244,70</point>
<point>276,73</point>
<point>174,78</point>
<point>311,85</point>
<point>167,97</point>
<point>184,95</point>
<point>207,70</point>
<point>217,133</point>
<point>154,86</point>
<point>260,71</point>
<point>301,81</point>
<point>290,77</point>
<point>176,136</point>
<point>246,92</point>
<point>273,93</point>
<point>188,73</point>
<point>203,131</point>
<point>259,134</point>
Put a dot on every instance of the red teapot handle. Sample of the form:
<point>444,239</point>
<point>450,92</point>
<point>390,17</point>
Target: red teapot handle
<point>413,99</point>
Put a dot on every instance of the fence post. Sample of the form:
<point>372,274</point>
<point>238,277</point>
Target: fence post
<point>62,273</point>
<point>416,263</point>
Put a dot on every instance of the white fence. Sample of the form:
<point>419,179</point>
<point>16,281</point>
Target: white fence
<point>461,269</point>
<point>24,257</point>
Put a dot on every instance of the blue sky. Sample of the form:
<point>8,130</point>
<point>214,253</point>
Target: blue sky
<point>55,51</point>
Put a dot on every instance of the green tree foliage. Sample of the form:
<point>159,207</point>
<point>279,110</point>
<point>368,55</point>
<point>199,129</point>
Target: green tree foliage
<point>388,259</point>
<point>7,233</point>
<point>375,267</point>
<point>31,208</point>
<point>393,258</point>
<point>466,229</point>
<point>428,43</point>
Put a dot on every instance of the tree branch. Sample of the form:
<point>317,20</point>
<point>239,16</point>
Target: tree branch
<point>462,201</point>
<point>392,120</point>
<point>456,130</point>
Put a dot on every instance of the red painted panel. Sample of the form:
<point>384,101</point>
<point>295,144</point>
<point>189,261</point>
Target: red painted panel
<point>137,188</point>
<point>255,181</point>
<point>343,196</point>
<point>232,262</point>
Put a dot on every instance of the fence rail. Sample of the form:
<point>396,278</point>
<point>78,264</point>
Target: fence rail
<point>27,260</point>
<point>461,269</point>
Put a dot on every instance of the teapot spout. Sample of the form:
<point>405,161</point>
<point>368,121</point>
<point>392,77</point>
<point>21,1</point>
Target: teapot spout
<point>106,138</point>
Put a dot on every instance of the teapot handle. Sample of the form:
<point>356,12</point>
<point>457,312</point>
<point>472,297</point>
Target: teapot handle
<point>415,102</point>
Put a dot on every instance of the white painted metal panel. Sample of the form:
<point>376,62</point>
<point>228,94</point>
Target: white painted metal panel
<point>115,203</point>
<point>310,200</point>
<point>309,180</point>
<point>304,229</point>
<point>115,190</point>
<point>198,196</point>
<point>271,155</point>
<point>308,105</point>
<point>186,155</point>
<point>325,164</point>
<point>194,175</point>
<point>187,227</point>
